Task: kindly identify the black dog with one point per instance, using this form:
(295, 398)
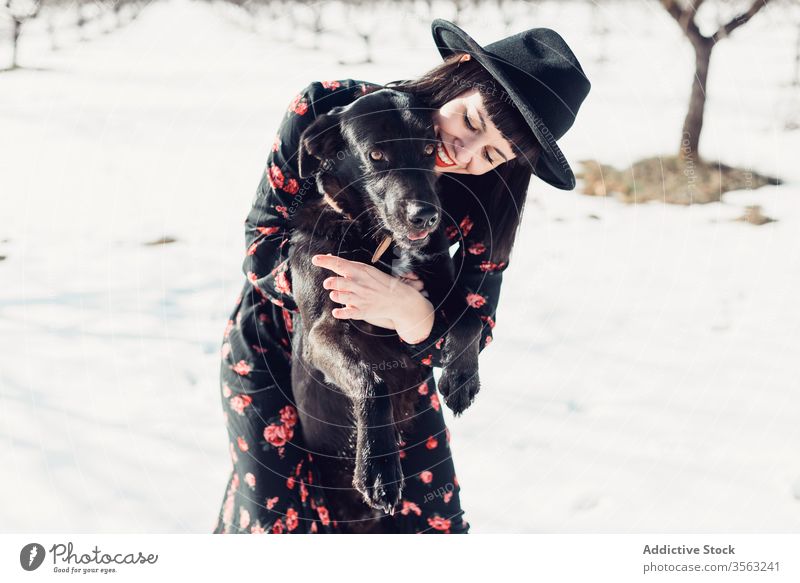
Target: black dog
(355, 389)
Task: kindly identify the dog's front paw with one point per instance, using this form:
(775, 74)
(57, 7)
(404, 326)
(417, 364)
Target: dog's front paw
(380, 481)
(459, 387)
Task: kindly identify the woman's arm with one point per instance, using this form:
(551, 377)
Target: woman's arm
(478, 281)
(280, 191)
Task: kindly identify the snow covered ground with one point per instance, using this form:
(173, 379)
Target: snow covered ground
(644, 373)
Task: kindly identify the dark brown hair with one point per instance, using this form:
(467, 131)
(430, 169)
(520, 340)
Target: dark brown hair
(446, 82)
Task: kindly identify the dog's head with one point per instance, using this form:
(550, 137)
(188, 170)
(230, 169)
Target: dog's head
(383, 144)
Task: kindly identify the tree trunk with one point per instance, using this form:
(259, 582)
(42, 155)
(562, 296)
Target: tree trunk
(693, 124)
(15, 40)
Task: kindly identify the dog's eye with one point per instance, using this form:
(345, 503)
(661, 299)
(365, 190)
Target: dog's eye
(376, 155)
(429, 149)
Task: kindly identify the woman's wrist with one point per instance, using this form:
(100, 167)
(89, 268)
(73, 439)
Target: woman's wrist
(415, 323)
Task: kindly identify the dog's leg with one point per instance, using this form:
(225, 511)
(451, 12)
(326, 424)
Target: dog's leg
(378, 475)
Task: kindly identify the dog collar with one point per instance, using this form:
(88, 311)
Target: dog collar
(382, 247)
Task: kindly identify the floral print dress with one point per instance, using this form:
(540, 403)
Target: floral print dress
(274, 483)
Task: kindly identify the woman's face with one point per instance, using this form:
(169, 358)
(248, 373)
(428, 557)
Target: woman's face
(469, 143)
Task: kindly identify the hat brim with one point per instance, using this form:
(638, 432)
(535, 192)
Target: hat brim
(552, 166)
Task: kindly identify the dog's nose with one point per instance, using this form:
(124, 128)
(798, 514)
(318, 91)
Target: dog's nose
(422, 217)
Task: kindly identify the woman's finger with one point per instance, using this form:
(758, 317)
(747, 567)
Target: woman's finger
(409, 275)
(342, 297)
(415, 283)
(348, 312)
(340, 283)
(338, 264)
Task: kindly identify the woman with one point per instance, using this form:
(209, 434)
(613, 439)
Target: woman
(497, 112)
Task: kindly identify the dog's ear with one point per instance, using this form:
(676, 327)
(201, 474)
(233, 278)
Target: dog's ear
(320, 141)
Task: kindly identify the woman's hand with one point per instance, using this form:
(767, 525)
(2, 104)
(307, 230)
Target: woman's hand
(378, 298)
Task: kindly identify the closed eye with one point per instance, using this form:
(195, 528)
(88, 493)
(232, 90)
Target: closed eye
(473, 129)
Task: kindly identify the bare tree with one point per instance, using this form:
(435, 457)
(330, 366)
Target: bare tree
(685, 15)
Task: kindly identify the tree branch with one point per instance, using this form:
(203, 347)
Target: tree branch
(737, 21)
(684, 17)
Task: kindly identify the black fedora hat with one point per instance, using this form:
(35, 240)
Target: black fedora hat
(540, 75)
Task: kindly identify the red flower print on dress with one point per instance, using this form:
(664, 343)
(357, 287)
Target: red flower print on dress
(242, 368)
(278, 435)
(277, 528)
(290, 482)
(252, 277)
(282, 283)
(251, 250)
(244, 518)
(271, 502)
(488, 341)
(303, 492)
(289, 418)
(447, 434)
(228, 328)
(423, 389)
(331, 84)
(225, 350)
(275, 176)
(432, 443)
(314, 526)
(234, 457)
(257, 528)
(291, 519)
(438, 344)
(435, 401)
(287, 320)
(250, 480)
(409, 507)
(426, 476)
(323, 515)
(490, 266)
(489, 320)
(226, 390)
(439, 523)
(427, 360)
(451, 232)
(239, 402)
(476, 248)
(276, 143)
(475, 300)
(259, 349)
(447, 496)
(242, 443)
(227, 511)
(299, 105)
(291, 186)
(283, 210)
(268, 230)
(466, 225)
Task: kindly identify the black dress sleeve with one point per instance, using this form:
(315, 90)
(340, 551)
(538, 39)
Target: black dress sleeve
(281, 190)
(478, 281)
